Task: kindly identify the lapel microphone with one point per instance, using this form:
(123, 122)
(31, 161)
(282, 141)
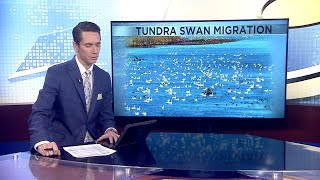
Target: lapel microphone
(79, 80)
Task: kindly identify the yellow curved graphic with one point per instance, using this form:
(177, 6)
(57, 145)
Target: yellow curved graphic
(299, 12)
(303, 89)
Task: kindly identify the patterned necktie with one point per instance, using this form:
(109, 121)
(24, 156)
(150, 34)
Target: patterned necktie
(87, 89)
(87, 94)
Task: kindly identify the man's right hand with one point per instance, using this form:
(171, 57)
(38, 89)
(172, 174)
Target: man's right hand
(48, 149)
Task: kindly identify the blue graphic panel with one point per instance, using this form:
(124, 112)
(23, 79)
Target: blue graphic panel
(304, 47)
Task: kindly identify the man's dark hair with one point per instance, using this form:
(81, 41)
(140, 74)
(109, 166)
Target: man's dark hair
(84, 26)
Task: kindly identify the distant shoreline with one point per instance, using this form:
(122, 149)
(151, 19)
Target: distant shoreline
(151, 41)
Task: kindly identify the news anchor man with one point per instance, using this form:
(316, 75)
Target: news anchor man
(75, 104)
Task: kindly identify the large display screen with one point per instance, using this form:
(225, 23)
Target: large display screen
(222, 69)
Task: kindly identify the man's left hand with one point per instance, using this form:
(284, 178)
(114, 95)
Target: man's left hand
(110, 135)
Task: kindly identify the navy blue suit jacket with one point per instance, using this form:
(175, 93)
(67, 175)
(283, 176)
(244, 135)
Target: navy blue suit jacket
(59, 114)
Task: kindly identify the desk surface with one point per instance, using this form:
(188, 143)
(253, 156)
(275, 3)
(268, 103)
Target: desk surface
(177, 155)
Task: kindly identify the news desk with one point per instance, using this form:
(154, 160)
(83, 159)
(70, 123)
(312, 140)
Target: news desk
(177, 156)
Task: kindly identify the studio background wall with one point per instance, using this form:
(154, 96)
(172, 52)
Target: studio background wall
(36, 34)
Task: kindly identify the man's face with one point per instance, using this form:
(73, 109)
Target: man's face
(89, 48)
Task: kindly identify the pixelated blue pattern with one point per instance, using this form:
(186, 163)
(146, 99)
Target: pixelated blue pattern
(304, 47)
(49, 49)
(38, 35)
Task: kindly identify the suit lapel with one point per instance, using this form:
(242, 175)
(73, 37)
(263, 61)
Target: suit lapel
(74, 73)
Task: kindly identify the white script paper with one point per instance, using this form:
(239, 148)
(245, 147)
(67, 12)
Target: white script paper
(89, 150)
